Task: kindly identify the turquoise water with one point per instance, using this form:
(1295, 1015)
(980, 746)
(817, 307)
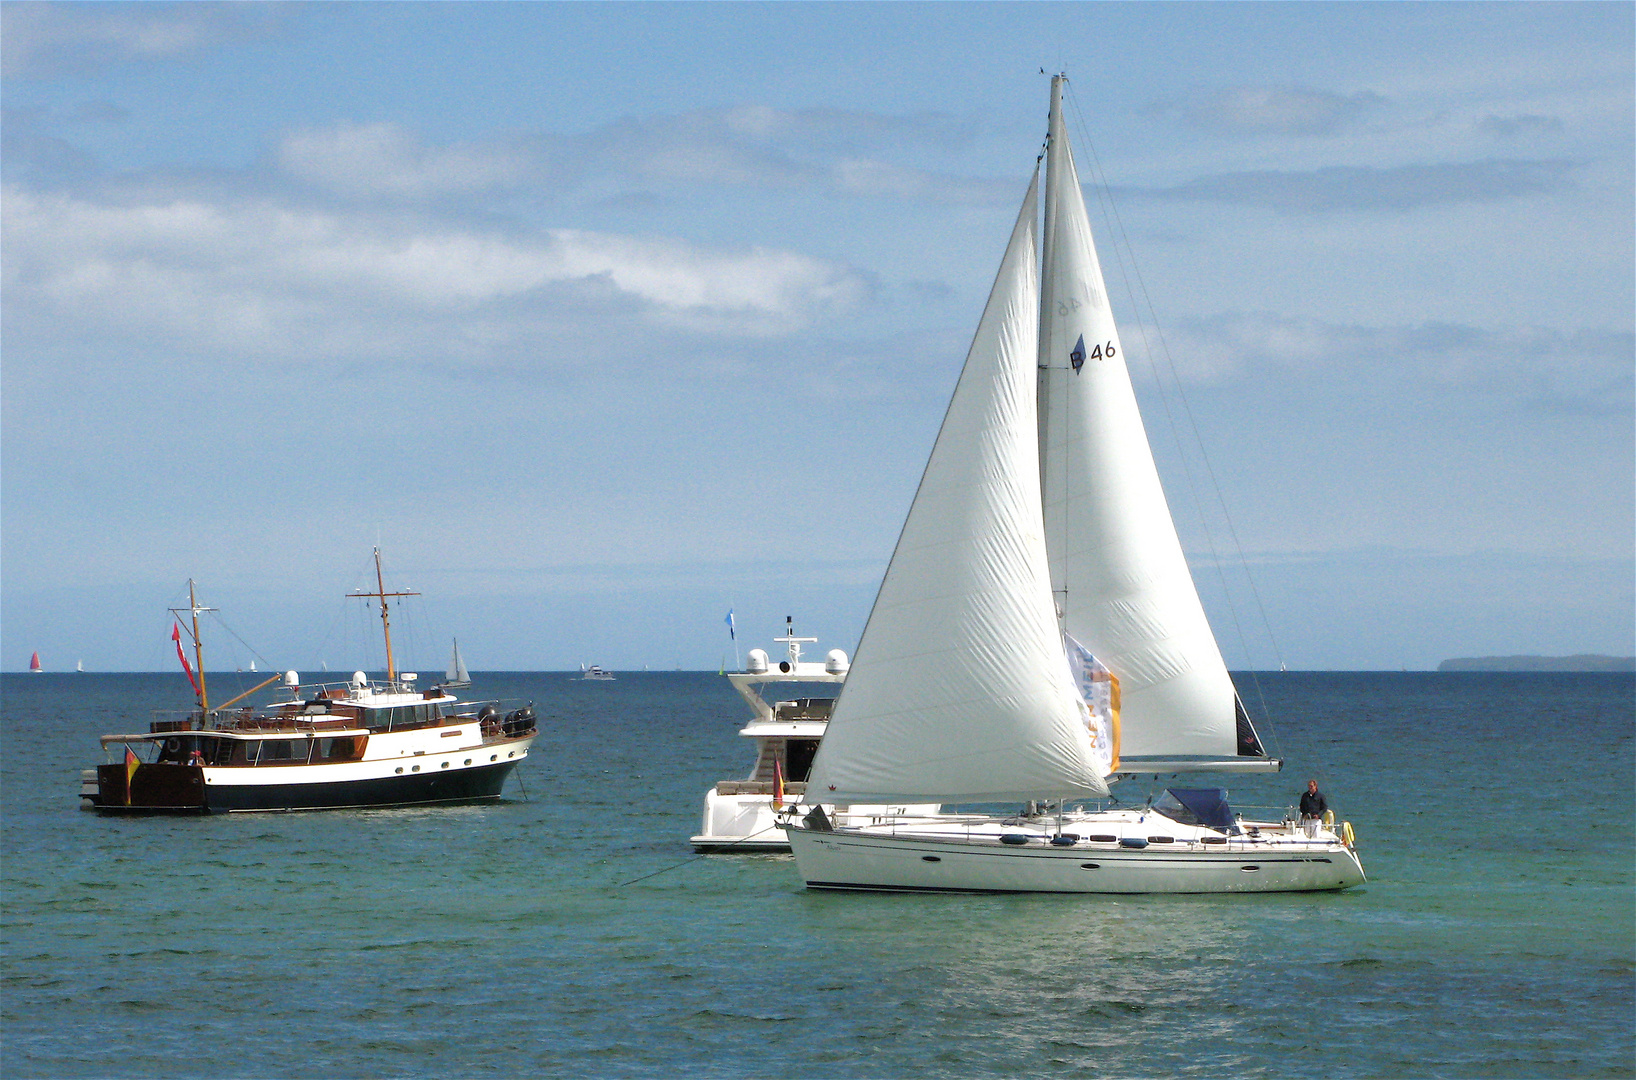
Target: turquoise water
(1496, 936)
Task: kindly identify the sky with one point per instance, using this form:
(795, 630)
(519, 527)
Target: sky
(602, 320)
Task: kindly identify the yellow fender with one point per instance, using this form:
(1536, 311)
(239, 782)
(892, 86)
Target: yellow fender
(1346, 833)
(1329, 819)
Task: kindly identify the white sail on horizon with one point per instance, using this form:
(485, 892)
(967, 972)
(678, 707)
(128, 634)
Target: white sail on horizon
(457, 675)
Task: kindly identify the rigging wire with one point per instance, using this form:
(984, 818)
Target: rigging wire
(1122, 245)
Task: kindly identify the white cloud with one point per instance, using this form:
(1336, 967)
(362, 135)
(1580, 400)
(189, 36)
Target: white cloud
(262, 277)
(40, 40)
(753, 147)
(1580, 373)
(1369, 188)
(1276, 110)
(383, 159)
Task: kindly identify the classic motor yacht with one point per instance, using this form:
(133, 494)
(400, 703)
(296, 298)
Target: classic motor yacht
(361, 743)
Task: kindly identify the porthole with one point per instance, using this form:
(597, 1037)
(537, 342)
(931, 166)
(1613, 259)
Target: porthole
(468, 761)
(398, 769)
(1090, 866)
(494, 757)
(510, 754)
(1248, 869)
(445, 765)
(931, 858)
(415, 769)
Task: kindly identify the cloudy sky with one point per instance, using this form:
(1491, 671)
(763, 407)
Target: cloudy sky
(604, 319)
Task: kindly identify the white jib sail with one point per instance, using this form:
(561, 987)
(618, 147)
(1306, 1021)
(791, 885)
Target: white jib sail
(1118, 573)
(960, 690)
(457, 667)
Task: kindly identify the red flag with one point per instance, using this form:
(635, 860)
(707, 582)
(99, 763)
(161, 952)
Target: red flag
(778, 786)
(176, 636)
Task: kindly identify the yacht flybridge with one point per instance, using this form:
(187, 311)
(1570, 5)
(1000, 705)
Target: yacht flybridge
(359, 743)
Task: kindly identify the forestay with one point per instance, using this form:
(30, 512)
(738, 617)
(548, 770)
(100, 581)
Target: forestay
(960, 691)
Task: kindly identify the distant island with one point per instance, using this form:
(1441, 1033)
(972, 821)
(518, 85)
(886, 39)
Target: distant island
(1582, 662)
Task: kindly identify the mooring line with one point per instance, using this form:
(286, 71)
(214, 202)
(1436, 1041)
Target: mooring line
(694, 858)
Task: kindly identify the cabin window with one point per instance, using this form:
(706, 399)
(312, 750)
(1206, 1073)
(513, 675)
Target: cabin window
(798, 754)
(345, 748)
(284, 751)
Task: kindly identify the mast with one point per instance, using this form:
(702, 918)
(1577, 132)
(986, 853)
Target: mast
(382, 595)
(193, 610)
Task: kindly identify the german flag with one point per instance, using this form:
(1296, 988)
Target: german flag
(131, 763)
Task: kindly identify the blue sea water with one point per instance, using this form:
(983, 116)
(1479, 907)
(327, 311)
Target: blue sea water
(1496, 936)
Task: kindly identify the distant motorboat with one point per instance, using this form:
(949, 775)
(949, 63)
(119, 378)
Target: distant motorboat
(594, 674)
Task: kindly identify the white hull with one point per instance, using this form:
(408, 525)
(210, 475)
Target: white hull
(742, 823)
(950, 857)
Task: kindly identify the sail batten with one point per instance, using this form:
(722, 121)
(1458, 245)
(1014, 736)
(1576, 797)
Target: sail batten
(960, 690)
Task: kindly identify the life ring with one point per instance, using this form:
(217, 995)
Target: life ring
(1346, 833)
(173, 744)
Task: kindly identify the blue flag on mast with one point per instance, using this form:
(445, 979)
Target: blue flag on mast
(730, 631)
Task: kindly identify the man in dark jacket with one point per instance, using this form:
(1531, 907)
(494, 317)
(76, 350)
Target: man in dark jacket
(1313, 805)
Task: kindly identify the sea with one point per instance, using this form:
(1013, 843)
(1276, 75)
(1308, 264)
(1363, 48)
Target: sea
(569, 931)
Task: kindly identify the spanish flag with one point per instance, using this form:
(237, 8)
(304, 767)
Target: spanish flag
(778, 785)
(131, 763)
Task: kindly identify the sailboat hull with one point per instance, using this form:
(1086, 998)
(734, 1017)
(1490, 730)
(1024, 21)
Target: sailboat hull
(886, 863)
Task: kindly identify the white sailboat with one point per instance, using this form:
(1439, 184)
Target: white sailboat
(457, 675)
(1071, 646)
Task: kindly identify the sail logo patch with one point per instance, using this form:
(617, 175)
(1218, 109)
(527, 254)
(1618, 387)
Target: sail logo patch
(1077, 357)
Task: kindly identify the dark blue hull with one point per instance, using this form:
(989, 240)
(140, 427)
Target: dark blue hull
(183, 794)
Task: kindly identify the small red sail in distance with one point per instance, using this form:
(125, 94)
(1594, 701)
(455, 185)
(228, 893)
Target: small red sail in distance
(34, 663)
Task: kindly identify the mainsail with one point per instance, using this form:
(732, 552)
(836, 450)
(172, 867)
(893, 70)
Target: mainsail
(457, 675)
(960, 690)
(1118, 574)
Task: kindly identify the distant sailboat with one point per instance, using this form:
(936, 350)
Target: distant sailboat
(79, 665)
(34, 663)
(457, 675)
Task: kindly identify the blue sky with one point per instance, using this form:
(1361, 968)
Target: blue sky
(602, 318)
